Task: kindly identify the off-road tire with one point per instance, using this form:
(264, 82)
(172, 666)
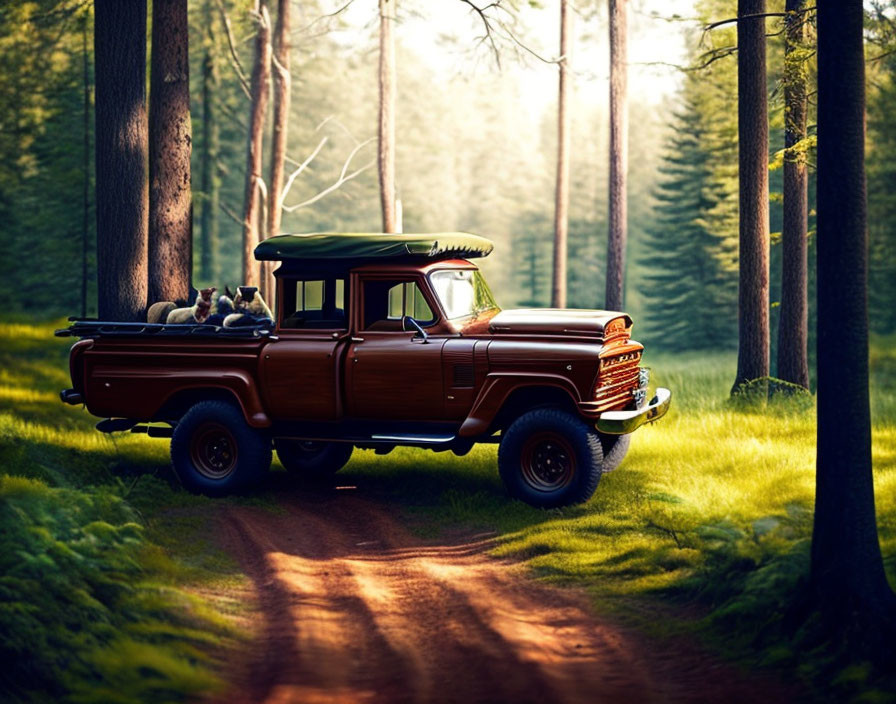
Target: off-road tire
(215, 452)
(313, 461)
(549, 457)
(615, 449)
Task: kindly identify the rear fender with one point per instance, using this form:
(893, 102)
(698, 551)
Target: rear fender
(236, 384)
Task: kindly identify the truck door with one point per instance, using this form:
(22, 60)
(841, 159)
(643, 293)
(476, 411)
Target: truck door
(390, 374)
(301, 370)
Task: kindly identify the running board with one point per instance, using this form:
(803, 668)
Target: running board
(413, 439)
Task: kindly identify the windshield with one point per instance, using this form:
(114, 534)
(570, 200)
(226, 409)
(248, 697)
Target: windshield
(463, 293)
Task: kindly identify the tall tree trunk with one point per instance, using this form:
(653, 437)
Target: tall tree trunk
(261, 73)
(793, 327)
(847, 570)
(85, 224)
(752, 111)
(210, 147)
(618, 214)
(122, 195)
(386, 148)
(282, 81)
(170, 144)
(561, 196)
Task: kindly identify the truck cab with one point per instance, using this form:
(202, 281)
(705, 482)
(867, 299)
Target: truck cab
(378, 341)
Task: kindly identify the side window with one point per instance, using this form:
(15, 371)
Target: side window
(316, 304)
(386, 302)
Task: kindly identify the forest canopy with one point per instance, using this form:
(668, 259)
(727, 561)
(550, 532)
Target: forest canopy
(474, 152)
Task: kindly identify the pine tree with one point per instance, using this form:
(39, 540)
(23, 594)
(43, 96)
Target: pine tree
(691, 250)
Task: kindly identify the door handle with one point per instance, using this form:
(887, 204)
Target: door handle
(357, 339)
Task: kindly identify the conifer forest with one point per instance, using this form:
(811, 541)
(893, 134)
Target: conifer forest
(721, 171)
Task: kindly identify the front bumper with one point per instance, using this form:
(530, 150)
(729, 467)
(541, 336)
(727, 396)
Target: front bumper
(623, 422)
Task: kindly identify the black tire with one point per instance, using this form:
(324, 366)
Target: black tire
(549, 458)
(615, 449)
(312, 460)
(215, 452)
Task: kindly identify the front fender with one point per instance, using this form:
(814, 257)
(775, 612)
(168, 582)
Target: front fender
(498, 387)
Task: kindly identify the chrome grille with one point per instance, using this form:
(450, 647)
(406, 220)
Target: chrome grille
(618, 379)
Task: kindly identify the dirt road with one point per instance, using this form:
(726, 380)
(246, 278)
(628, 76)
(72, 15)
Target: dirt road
(353, 608)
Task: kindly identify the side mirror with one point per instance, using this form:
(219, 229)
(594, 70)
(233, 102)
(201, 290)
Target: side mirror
(408, 324)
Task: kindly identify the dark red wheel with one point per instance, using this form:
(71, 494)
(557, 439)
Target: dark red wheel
(548, 461)
(550, 457)
(213, 450)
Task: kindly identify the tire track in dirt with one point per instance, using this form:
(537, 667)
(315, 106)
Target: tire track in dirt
(355, 609)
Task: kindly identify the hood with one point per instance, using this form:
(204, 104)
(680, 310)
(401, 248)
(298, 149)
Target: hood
(599, 324)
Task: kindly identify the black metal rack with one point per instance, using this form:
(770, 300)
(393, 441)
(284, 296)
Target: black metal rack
(98, 328)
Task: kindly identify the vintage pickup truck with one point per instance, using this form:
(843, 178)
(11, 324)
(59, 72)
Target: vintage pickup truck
(379, 341)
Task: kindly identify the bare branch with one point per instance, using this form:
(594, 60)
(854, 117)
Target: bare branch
(526, 48)
(884, 55)
(328, 16)
(235, 59)
(302, 166)
(232, 215)
(489, 37)
(330, 189)
(341, 126)
(343, 178)
(755, 15)
(704, 60)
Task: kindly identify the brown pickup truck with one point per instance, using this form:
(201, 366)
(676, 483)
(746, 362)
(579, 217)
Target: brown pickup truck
(378, 341)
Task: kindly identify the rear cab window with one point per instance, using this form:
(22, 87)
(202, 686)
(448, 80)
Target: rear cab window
(314, 303)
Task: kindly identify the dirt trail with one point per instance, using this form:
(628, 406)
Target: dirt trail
(355, 609)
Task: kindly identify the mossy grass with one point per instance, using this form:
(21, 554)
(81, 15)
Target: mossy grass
(703, 530)
(100, 551)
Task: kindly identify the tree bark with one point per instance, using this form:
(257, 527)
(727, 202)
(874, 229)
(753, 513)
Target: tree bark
(752, 111)
(618, 202)
(386, 149)
(121, 154)
(847, 571)
(170, 144)
(793, 327)
(210, 182)
(261, 72)
(282, 83)
(85, 224)
(561, 196)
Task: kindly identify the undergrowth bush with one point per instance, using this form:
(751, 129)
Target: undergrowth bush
(87, 607)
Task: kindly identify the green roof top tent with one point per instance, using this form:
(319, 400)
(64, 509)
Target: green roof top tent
(372, 245)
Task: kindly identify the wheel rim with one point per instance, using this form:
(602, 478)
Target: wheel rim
(548, 462)
(213, 451)
(310, 448)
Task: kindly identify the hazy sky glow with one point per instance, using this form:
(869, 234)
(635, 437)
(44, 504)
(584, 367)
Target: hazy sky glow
(444, 33)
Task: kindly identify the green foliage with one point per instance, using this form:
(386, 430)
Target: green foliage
(90, 607)
(881, 165)
(42, 153)
(83, 616)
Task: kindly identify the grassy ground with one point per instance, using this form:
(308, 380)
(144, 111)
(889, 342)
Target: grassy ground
(707, 523)
(102, 556)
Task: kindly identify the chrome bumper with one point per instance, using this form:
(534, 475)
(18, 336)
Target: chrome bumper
(623, 422)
